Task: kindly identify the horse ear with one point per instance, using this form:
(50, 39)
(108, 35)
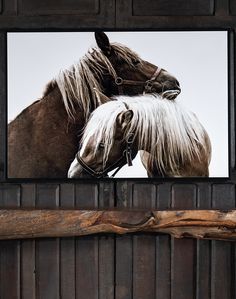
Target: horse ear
(125, 118)
(103, 42)
(102, 98)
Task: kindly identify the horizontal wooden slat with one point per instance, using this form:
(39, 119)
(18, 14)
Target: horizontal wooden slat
(52, 7)
(173, 7)
(200, 224)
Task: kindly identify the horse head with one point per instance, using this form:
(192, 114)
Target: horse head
(113, 69)
(132, 75)
(104, 146)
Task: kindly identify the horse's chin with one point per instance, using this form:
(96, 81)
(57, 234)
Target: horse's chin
(170, 94)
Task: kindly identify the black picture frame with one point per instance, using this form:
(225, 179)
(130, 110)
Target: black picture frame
(231, 114)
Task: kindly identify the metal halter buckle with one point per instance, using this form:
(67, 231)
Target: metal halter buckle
(130, 138)
(119, 81)
(148, 86)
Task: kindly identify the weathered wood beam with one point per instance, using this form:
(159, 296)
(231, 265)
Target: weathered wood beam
(200, 224)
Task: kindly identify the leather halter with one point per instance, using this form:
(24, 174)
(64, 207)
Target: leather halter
(147, 84)
(126, 157)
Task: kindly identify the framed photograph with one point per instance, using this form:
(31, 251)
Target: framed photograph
(124, 104)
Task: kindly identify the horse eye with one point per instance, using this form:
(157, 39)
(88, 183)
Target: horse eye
(101, 145)
(136, 62)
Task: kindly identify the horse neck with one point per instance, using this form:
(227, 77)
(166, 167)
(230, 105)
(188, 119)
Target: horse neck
(55, 116)
(42, 139)
(53, 101)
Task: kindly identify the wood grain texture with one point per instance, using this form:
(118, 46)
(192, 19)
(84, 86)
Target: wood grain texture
(163, 247)
(200, 224)
(47, 269)
(106, 252)
(203, 254)
(147, 14)
(221, 8)
(124, 246)
(59, 15)
(86, 247)
(173, 8)
(62, 7)
(144, 246)
(232, 7)
(10, 250)
(183, 251)
(28, 283)
(223, 260)
(67, 248)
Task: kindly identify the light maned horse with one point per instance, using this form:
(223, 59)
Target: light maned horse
(43, 138)
(174, 142)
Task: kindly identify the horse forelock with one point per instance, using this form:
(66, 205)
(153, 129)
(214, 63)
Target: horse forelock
(162, 127)
(76, 84)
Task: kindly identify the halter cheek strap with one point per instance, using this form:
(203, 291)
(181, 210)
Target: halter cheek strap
(156, 73)
(149, 83)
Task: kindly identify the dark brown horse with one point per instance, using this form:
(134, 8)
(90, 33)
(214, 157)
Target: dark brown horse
(43, 139)
(174, 142)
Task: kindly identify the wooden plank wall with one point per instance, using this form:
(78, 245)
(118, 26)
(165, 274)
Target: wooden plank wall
(139, 266)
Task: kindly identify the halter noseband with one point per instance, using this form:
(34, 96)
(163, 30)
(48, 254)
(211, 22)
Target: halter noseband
(147, 84)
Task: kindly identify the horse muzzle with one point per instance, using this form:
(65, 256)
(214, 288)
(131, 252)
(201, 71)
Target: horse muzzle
(75, 170)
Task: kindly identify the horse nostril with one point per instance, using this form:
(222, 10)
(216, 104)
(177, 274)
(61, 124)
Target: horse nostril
(177, 83)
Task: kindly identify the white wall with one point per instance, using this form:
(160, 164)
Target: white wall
(197, 59)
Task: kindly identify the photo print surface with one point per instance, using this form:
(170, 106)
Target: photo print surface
(150, 104)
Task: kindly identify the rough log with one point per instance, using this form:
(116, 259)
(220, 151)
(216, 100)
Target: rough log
(200, 224)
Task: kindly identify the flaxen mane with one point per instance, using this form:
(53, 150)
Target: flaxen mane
(163, 128)
(76, 84)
